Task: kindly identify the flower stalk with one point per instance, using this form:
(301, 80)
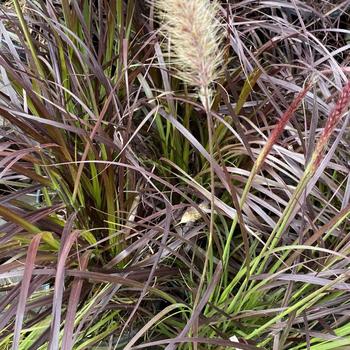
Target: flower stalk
(193, 31)
(333, 120)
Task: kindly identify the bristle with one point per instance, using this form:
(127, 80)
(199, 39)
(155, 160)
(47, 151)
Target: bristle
(195, 36)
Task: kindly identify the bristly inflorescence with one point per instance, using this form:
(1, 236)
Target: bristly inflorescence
(334, 118)
(194, 34)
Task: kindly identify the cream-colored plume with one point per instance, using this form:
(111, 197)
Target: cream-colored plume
(194, 31)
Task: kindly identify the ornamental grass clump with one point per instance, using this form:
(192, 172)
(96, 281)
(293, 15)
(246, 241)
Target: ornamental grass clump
(107, 157)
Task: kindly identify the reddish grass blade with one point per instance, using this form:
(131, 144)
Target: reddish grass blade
(58, 293)
(28, 270)
(67, 342)
(107, 277)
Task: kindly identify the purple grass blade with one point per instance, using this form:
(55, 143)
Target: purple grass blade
(67, 342)
(58, 292)
(28, 270)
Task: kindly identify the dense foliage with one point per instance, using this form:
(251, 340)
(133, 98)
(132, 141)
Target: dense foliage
(127, 225)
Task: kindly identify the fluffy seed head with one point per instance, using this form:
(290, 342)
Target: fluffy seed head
(193, 29)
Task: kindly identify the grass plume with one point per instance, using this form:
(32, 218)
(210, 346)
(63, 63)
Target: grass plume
(333, 120)
(195, 35)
